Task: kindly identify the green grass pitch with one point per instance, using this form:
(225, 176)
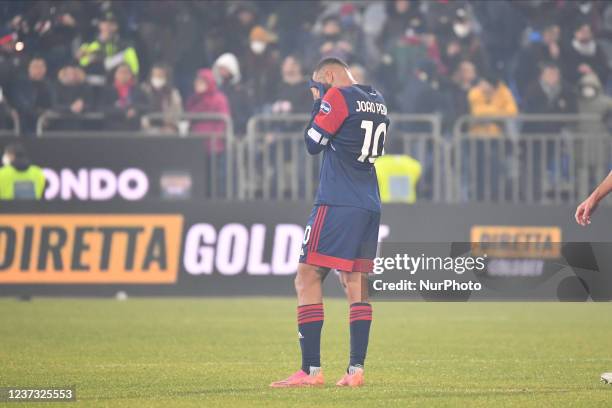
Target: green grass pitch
(225, 352)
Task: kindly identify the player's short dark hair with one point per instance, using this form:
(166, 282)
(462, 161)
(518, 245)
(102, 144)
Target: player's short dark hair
(330, 61)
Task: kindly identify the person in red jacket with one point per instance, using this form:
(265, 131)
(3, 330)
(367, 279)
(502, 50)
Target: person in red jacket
(207, 98)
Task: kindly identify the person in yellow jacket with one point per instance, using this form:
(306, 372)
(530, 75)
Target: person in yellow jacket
(19, 178)
(490, 97)
(398, 176)
(107, 51)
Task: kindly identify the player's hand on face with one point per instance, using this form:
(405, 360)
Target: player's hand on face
(584, 211)
(313, 89)
(315, 93)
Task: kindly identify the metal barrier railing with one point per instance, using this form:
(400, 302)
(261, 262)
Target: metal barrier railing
(548, 159)
(16, 130)
(48, 117)
(219, 145)
(45, 120)
(545, 159)
(279, 167)
(241, 153)
(420, 136)
(222, 145)
(273, 143)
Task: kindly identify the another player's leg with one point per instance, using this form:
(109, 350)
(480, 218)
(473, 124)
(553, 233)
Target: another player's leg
(606, 378)
(310, 323)
(360, 319)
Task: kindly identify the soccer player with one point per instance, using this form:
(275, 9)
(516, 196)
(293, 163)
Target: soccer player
(583, 217)
(586, 208)
(349, 124)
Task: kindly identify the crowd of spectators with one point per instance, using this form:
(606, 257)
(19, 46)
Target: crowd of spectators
(123, 59)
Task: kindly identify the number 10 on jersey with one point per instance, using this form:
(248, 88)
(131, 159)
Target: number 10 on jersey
(370, 147)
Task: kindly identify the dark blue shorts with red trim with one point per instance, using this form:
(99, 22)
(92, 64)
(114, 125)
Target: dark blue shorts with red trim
(340, 237)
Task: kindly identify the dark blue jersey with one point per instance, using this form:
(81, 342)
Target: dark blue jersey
(350, 128)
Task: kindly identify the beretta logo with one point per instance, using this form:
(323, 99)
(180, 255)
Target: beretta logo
(90, 248)
(505, 241)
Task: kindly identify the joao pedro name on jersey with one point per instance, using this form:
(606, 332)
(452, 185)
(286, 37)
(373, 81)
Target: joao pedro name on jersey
(351, 124)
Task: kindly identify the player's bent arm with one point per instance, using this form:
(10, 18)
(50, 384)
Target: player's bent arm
(328, 115)
(328, 118)
(603, 189)
(588, 206)
(314, 137)
(315, 140)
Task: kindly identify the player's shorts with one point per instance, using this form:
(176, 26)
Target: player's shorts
(342, 238)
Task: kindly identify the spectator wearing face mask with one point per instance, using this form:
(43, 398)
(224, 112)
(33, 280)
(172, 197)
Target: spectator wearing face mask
(458, 41)
(261, 65)
(207, 98)
(584, 56)
(32, 96)
(293, 95)
(242, 19)
(226, 71)
(593, 101)
(162, 97)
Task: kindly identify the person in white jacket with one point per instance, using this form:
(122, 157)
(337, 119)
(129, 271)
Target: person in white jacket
(228, 77)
